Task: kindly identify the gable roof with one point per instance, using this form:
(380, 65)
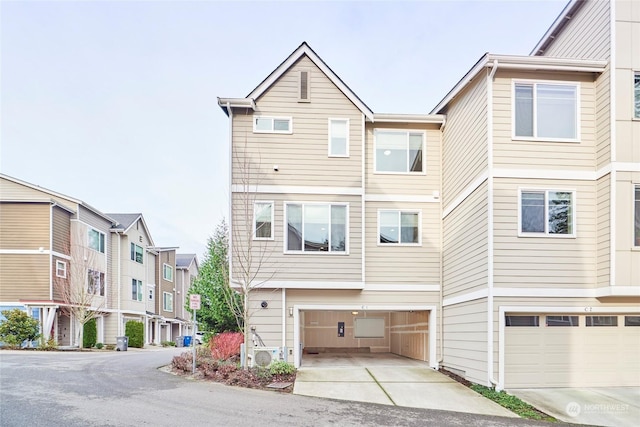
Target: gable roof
(184, 261)
(558, 25)
(303, 50)
(124, 222)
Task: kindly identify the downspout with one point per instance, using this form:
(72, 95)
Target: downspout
(490, 245)
(441, 314)
(119, 288)
(51, 254)
(230, 236)
(284, 320)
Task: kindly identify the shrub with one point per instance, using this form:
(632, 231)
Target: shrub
(110, 346)
(18, 327)
(90, 334)
(135, 331)
(184, 362)
(47, 345)
(281, 367)
(225, 345)
(168, 344)
(99, 345)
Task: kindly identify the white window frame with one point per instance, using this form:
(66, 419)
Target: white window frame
(139, 293)
(101, 238)
(400, 212)
(329, 252)
(164, 301)
(255, 229)
(534, 83)
(635, 243)
(407, 132)
(166, 267)
(308, 98)
(634, 113)
(101, 285)
(272, 130)
(574, 210)
(61, 269)
(330, 136)
(135, 247)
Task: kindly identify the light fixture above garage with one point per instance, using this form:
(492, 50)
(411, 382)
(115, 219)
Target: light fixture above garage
(354, 313)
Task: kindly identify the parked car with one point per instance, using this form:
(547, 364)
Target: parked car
(199, 338)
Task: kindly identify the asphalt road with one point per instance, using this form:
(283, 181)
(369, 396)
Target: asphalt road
(127, 389)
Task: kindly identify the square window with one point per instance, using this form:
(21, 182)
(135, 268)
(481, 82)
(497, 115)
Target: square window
(263, 221)
(316, 227)
(398, 227)
(546, 111)
(339, 137)
(547, 212)
(399, 151)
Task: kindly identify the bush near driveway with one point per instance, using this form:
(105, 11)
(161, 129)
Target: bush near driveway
(225, 345)
(135, 331)
(17, 327)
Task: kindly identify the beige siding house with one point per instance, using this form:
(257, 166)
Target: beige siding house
(497, 237)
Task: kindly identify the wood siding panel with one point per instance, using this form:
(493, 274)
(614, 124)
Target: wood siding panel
(409, 334)
(403, 264)
(25, 226)
(465, 245)
(627, 255)
(513, 153)
(603, 212)
(61, 231)
(302, 156)
(464, 140)
(544, 261)
(24, 277)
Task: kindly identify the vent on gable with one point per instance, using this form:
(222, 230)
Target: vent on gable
(304, 95)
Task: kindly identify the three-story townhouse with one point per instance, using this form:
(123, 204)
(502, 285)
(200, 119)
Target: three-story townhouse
(187, 269)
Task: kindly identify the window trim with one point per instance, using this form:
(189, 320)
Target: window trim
(308, 98)
(139, 291)
(164, 272)
(574, 211)
(102, 285)
(535, 138)
(255, 229)
(273, 118)
(400, 212)
(634, 75)
(323, 253)
(101, 248)
(134, 253)
(407, 132)
(60, 263)
(635, 242)
(330, 135)
(164, 301)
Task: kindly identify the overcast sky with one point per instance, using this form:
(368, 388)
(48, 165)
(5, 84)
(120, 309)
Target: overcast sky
(114, 102)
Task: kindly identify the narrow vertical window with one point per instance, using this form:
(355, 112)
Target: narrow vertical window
(61, 269)
(636, 216)
(263, 221)
(339, 137)
(167, 272)
(636, 94)
(304, 87)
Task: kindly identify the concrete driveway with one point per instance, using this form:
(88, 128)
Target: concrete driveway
(606, 406)
(390, 380)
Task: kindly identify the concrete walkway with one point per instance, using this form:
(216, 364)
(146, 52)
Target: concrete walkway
(389, 380)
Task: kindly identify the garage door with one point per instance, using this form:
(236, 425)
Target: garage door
(550, 350)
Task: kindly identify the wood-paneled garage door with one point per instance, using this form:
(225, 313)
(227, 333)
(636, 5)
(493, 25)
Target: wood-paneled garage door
(550, 350)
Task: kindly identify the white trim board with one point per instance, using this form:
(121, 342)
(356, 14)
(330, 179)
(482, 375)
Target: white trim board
(623, 291)
(296, 189)
(409, 198)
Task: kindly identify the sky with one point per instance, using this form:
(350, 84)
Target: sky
(115, 102)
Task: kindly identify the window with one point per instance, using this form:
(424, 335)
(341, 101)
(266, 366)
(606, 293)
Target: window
(522, 321)
(631, 320)
(316, 227)
(167, 301)
(398, 227)
(263, 221)
(602, 320)
(95, 282)
(636, 216)
(546, 111)
(636, 95)
(399, 151)
(167, 272)
(339, 137)
(305, 86)
(562, 320)
(61, 269)
(96, 240)
(136, 290)
(136, 253)
(548, 213)
(263, 124)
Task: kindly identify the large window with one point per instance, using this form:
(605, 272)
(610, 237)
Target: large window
(339, 137)
(136, 253)
(167, 272)
(167, 301)
(548, 213)
(95, 282)
(262, 124)
(263, 221)
(315, 227)
(136, 290)
(399, 151)
(398, 227)
(636, 216)
(546, 111)
(636, 95)
(96, 240)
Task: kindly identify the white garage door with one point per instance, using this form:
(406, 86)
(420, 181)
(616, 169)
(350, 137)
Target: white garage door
(572, 350)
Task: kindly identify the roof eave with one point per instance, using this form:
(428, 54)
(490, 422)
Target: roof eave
(558, 25)
(226, 103)
(408, 118)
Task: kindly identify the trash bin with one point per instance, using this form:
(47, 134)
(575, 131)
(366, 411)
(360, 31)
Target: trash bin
(179, 341)
(187, 340)
(122, 343)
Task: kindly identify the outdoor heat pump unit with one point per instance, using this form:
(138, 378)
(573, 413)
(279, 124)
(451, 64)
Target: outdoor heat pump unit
(265, 356)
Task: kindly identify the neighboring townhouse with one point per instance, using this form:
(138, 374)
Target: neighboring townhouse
(187, 269)
(50, 243)
(168, 294)
(497, 236)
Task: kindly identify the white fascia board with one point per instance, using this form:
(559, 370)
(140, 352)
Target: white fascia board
(403, 287)
(408, 198)
(557, 26)
(609, 291)
(226, 103)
